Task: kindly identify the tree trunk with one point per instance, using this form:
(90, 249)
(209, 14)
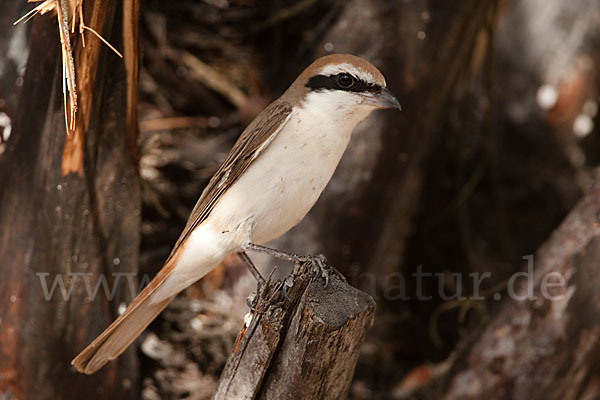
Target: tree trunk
(75, 228)
(304, 347)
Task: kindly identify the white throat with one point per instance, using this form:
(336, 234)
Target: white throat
(338, 111)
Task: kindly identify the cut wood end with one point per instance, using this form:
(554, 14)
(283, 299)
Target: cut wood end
(348, 302)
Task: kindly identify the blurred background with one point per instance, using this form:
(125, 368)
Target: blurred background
(496, 144)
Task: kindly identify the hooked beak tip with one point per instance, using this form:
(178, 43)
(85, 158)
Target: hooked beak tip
(385, 100)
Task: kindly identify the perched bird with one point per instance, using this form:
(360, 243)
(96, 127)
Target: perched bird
(272, 177)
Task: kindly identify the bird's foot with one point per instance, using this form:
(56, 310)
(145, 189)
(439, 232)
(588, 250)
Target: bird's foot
(318, 265)
(250, 300)
(286, 285)
(252, 268)
(260, 281)
(318, 262)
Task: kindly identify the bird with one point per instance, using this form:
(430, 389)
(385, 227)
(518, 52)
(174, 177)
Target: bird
(271, 178)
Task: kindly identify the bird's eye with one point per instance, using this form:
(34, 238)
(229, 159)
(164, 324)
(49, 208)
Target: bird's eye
(345, 80)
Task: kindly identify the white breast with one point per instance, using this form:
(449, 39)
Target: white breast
(285, 181)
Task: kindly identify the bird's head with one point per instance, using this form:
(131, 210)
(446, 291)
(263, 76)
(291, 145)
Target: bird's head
(343, 86)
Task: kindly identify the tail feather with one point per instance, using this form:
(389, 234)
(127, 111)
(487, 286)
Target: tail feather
(182, 268)
(125, 329)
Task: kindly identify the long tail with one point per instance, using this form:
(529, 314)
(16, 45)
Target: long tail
(125, 329)
(185, 265)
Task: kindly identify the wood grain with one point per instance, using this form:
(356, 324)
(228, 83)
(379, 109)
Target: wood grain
(302, 348)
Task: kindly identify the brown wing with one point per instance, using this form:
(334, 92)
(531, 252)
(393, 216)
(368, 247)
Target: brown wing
(252, 141)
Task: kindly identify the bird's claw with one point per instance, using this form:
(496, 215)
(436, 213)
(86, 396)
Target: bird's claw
(287, 283)
(250, 301)
(319, 265)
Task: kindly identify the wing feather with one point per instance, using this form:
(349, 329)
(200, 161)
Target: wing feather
(255, 138)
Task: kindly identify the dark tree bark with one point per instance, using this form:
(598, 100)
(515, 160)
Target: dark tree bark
(304, 347)
(544, 343)
(76, 226)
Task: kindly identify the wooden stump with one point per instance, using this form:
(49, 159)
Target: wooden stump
(303, 347)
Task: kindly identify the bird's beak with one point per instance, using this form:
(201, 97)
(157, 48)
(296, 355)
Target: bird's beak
(383, 99)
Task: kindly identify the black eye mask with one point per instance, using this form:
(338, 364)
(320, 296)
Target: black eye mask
(342, 81)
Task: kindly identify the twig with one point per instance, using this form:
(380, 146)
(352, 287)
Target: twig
(285, 14)
(214, 80)
(464, 305)
(43, 8)
(102, 39)
(27, 16)
(68, 64)
(168, 123)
